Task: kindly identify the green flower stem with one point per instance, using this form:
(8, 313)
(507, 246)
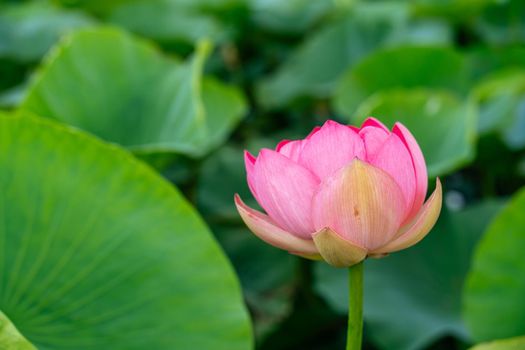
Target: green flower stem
(355, 307)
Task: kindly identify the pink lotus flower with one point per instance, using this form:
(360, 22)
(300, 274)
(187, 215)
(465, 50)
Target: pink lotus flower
(342, 194)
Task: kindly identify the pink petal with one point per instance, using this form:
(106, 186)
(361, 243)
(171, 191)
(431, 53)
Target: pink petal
(360, 202)
(285, 190)
(371, 121)
(373, 139)
(281, 145)
(264, 228)
(419, 227)
(249, 163)
(336, 250)
(393, 157)
(290, 149)
(418, 162)
(331, 148)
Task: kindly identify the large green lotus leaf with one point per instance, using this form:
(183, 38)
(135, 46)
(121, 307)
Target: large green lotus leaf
(501, 100)
(517, 343)
(443, 125)
(493, 295)
(173, 21)
(124, 91)
(314, 68)
(28, 30)
(400, 67)
(99, 252)
(413, 297)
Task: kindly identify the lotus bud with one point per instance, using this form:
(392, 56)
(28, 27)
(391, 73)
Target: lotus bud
(342, 194)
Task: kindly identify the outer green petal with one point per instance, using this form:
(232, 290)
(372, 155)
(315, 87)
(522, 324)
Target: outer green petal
(336, 250)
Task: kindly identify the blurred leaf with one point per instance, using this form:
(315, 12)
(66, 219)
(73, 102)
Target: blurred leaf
(456, 10)
(501, 99)
(222, 175)
(167, 21)
(10, 338)
(517, 343)
(413, 297)
(292, 16)
(225, 105)
(14, 96)
(99, 252)
(123, 90)
(314, 68)
(97, 7)
(267, 276)
(104, 8)
(266, 273)
(503, 22)
(209, 5)
(401, 67)
(493, 295)
(443, 126)
(485, 60)
(311, 325)
(520, 167)
(28, 30)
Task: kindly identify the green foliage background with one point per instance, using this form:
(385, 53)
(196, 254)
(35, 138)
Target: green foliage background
(121, 140)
